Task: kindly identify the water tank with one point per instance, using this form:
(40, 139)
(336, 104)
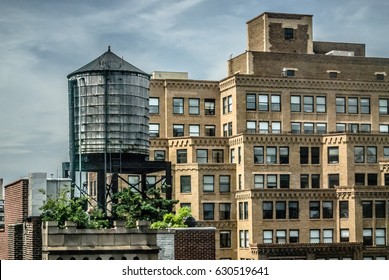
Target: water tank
(108, 109)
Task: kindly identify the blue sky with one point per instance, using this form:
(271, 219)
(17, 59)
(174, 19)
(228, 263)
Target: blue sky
(41, 41)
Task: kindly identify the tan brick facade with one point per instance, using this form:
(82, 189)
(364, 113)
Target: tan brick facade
(295, 129)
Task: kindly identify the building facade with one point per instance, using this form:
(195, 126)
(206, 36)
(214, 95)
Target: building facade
(287, 157)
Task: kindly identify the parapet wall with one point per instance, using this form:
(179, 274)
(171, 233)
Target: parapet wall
(118, 243)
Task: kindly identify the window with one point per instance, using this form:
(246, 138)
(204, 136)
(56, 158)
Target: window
(154, 129)
(251, 126)
(280, 236)
(367, 236)
(293, 207)
(304, 181)
(194, 106)
(365, 105)
(232, 156)
(185, 184)
(229, 103)
(315, 155)
(353, 127)
(178, 105)
(178, 130)
(217, 156)
(208, 183)
(384, 128)
(295, 103)
(308, 128)
(229, 126)
(380, 209)
(333, 154)
(333, 180)
(280, 210)
(308, 104)
(224, 211)
(365, 128)
(276, 127)
(209, 106)
(263, 127)
(288, 33)
(267, 236)
(359, 154)
(271, 181)
(225, 105)
(209, 211)
(284, 155)
(340, 127)
(267, 210)
(371, 154)
(182, 205)
(181, 156)
(343, 209)
(275, 103)
(380, 76)
(296, 128)
(271, 155)
(321, 128)
(341, 105)
(315, 181)
(380, 237)
(243, 210)
(344, 235)
(367, 209)
(194, 130)
(333, 74)
(259, 182)
(372, 179)
(360, 179)
(321, 106)
(328, 235)
(225, 239)
(154, 105)
(284, 181)
(209, 130)
(293, 236)
(244, 238)
(327, 209)
(224, 183)
(201, 156)
(353, 105)
(258, 155)
(384, 106)
(251, 102)
(304, 155)
(159, 155)
(314, 209)
(263, 102)
(314, 236)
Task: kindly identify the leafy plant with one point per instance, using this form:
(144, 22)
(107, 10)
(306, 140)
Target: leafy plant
(63, 208)
(130, 206)
(171, 220)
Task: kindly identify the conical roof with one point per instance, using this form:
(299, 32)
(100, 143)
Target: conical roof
(108, 61)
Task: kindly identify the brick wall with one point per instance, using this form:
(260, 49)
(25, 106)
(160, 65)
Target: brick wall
(15, 211)
(195, 244)
(33, 239)
(15, 242)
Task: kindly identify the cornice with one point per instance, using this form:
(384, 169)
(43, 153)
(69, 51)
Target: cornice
(294, 83)
(192, 84)
(286, 194)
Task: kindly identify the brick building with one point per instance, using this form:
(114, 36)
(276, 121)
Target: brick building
(287, 157)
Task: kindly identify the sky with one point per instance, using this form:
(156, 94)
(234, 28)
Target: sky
(42, 41)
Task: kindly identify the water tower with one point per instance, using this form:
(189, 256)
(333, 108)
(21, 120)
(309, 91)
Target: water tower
(109, 123)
